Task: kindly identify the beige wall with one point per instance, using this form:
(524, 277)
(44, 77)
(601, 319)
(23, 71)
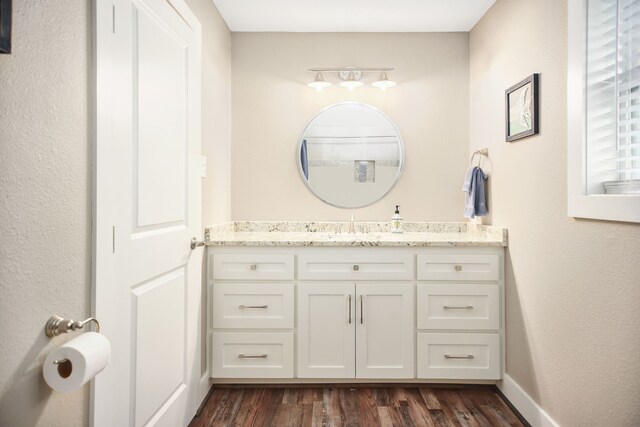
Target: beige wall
(216, 112)
(45, 179)
(572, 285)
(216, 131)
(271, 107)
(45, 186)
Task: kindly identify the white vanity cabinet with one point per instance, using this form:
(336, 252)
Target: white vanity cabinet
(251, 315)
(361, 330)
(459, 315)
(309, 314)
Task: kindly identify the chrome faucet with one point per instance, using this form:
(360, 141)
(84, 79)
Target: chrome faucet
(352, 225)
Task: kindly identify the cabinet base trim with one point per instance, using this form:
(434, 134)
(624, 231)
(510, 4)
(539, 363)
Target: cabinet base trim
(347, 381)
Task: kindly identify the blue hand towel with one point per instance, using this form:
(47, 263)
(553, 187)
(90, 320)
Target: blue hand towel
(480, 203)
(475, 203)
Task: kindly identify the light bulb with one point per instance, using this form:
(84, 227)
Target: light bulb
(351, 82)
(319, 83)
(384, 82)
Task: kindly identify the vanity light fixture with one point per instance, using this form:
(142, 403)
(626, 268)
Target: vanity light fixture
(351, 77)
(384, 82)
(319, 83)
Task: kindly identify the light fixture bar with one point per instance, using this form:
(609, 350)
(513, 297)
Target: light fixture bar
(338, 70)
(351, 77)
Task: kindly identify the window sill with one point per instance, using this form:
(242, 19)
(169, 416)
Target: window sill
(608, 207)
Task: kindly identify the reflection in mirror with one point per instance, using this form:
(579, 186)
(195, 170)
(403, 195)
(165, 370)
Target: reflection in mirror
(350, 155)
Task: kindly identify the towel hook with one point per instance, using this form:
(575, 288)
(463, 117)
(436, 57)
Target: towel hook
(482, 154)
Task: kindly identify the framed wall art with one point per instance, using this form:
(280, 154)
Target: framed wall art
(521, 108)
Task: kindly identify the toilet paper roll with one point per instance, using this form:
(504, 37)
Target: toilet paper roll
(78, 361)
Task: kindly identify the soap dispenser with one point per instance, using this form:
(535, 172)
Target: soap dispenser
(396, 221)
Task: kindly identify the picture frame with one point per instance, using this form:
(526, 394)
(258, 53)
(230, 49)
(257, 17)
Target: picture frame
(5, 26)
(522, 109)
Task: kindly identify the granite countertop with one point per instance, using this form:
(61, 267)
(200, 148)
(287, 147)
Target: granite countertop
(299, 233)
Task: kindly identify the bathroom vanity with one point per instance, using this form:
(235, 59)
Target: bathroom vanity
(304, 302)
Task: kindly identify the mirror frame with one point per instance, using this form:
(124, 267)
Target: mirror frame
(400, 144)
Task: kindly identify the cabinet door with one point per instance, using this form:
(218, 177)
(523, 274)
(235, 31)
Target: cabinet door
(326, 334)
(384, 331)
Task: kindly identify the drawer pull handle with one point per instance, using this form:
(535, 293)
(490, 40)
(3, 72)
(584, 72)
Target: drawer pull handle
(361, 309)
(252, 356)
(458, 268)
(253, 306)
(468, 356)
(253, 267)
(457, 307)
(356, 267)
(349, 309)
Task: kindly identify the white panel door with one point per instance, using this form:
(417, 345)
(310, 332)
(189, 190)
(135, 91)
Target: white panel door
(147, 207)
(384, 331)
(326, 335)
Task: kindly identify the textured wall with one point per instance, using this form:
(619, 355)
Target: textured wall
(271, 107)
(45, 182)
(572, 285)
(45, 189)
(216, 112)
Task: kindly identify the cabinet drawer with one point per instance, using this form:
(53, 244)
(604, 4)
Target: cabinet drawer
(355, 267)
(252, 355)
(252, 267)
(459, 356)
(458, 267)
(253, 306)
(453, 306)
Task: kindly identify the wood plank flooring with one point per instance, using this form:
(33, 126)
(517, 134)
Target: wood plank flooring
(431, 406)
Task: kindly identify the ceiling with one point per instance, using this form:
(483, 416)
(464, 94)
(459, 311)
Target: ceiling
(352, 15)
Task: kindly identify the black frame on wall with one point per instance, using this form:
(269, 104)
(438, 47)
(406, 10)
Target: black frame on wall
(5, 26)
(533, 108)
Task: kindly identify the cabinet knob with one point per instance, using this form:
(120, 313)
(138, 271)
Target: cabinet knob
(253, 267)
(458, 268)
(356, 267)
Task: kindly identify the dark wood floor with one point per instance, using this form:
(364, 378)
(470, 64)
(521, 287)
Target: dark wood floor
(459, 406)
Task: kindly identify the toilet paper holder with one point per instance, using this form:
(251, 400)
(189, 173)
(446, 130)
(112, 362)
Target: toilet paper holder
(57, 325)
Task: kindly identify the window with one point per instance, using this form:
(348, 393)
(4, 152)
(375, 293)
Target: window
(604, 109)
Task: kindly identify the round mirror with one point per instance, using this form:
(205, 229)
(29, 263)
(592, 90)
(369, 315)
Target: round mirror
(350, 155)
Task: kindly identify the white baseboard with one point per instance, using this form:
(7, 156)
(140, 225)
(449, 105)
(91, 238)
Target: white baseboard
(204, 386)
(528, 408)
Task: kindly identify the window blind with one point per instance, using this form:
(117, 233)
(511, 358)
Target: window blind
(612, 93)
